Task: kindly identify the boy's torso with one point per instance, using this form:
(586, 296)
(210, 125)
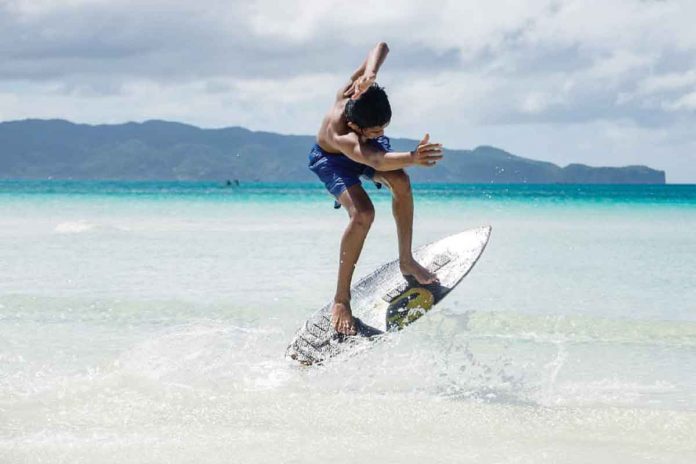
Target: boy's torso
(332, 125)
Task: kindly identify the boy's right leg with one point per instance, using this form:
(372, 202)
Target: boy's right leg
(361, 211)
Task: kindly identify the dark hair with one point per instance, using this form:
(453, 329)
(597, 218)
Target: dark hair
(370, 109)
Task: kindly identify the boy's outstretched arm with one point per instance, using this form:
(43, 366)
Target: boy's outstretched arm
(365, 75)
(426, 154)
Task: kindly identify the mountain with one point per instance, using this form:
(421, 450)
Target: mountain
(160, 150)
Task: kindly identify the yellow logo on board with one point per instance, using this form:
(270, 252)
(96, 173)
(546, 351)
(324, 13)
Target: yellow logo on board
(408, 307)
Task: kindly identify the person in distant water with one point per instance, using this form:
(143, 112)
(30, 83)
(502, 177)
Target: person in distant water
(351, 144)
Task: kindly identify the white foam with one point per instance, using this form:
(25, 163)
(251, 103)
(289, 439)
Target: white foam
(74, 227)
(610, 391)
(208, 353)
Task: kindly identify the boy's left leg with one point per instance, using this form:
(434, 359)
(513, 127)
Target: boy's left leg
(402, 208)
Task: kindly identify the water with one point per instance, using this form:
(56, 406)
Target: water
(146, 322)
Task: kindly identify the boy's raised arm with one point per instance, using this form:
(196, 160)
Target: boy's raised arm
(366, 74)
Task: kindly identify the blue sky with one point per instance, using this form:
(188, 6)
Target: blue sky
(609, 82)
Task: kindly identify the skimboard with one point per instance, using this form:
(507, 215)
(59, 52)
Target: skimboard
(385, 301)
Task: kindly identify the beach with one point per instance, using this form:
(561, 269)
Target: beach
(147, 322)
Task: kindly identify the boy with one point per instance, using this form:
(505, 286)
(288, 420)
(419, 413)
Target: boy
(351, 144)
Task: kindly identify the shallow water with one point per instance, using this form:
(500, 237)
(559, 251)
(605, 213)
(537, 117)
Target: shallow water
(146, 322)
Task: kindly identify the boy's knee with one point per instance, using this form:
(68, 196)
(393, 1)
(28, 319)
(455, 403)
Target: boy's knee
(400, 182)
(363, 217)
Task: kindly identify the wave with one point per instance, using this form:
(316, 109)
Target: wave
(77, 227)
(500, 357)
(503, 325)
(574, 329)
(73, 227)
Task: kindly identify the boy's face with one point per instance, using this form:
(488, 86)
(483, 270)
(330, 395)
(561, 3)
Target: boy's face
(371, 132)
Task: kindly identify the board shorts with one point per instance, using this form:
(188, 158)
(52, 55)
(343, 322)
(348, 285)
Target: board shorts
(338, 172)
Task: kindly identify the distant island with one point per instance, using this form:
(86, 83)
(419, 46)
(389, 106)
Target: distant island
(161, 150)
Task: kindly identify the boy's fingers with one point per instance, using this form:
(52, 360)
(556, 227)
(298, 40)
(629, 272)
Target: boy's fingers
(429, 148)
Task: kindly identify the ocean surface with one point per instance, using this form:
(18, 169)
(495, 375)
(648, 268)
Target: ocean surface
(147, 322)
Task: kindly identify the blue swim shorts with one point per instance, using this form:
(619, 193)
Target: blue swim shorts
(338, 172)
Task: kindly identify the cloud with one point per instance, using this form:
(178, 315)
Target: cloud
(667, 82)
(685, 102)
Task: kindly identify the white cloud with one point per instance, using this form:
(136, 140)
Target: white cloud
(685, 102)
(27, 8)
(536, 102)
(667, 82)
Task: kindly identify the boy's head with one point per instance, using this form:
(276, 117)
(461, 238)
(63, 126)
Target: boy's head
(370, 113)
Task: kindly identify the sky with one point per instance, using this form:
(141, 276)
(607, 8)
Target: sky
(599, 82)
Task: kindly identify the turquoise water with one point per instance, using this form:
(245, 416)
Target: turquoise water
(146, 322)
(610, 194)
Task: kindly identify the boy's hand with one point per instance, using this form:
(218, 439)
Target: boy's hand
(427, 154)
(360, 85)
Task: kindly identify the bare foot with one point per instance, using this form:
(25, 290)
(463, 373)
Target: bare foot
(342, 318)
(421, 274)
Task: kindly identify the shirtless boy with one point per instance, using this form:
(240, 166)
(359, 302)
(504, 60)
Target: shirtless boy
(351, 144)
